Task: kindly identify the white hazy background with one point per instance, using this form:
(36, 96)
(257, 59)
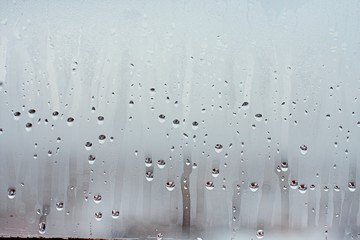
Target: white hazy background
(294, 62)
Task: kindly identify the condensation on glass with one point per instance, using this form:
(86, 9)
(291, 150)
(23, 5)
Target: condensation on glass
(180, 119)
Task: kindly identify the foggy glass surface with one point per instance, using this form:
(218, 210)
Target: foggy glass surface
(180, 119)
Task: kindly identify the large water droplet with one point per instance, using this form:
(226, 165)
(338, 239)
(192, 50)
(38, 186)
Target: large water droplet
(215, 172)
(28, 127)
(253, 186)
(11, 193)
(161, 163)
(293, 184)
(209, 185)
(303, 149)
(352, 186)
(102, 138)
(55, 115)
(59, 206)
(170, 186)
(98, 216)
(176, 123)
(100, 120)
(31, 113)
(42, 227)
(258, 117)
(161, 118)
(284, 166)
(91, 159)
(148, 162)
(302, 188)
(17, 115)
(115, 214)
(149, 175)
(195, 125)
(260, 234)
(97, 198)
(88, 146)
(218, 148)
(70, 121)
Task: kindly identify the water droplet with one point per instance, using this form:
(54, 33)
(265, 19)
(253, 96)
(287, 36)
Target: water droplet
(97, 198)
(88, 146)
(284, 166)
(303, 149)
(170, 186)
(149, 175)
(91, 159)
(209, 185)
(253, 186)
(336, 188)
(98, 216)
(70, 121)
(302, 188)
(42, 227)
(176, 123)
(161, 163)
(11, 193)
(28, 127)
(100, 120)
(31, 113)
(102, 138)
(159, 236)
(218, 148)
(258, 117)
(260, 234)
(312, 187)
(148, 162)
(352, 186)
(215, 172)
(55, 115)
(293, 184)
(161, 118)
(59, 206)
(17, 115)
(195, 125)
(115, 214)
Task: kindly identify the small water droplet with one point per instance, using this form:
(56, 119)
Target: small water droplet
(303, 149)
(253, 186)
(209, 185)
(11, 193)
(115, 214)
(98, 216)
(59, 206)
(170, 186)
(218, 148)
